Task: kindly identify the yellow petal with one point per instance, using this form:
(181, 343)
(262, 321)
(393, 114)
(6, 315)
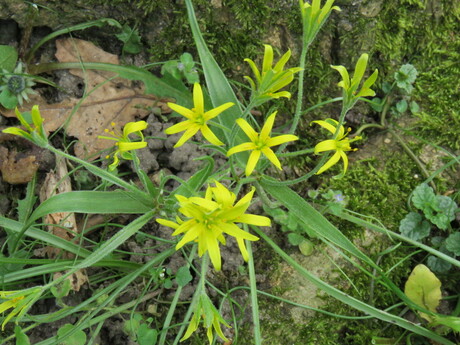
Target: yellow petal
(214, 253)
(254, 219)
(132, 127)
(210, 136)
(246, 127)
(124, 146)
(345, 76)
(241, 148)
(216, 111)
(327, 125)
(198, 100)
(267, 128)
(179, 127)
(243, 250)
(333, 160)
(168, 223)
(281, 139)
(252, 161)
(268, 59)
(326, 145)
(190, 132)
(189, 114)
(272, 157)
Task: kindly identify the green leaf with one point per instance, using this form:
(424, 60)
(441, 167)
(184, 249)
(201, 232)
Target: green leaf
(306, 247)
(414, 226)
(146, 335)
(131, 39)
(443, 212)
(424, 198)
(406, 75)
(295, 239)
(452, 322)
(183, 276)
(21, 337)
(424, 289)
(401, 106)
(77, 338)
(8, 58)
(438, 265)
(8, 99)
(453, 243)
(414, 107)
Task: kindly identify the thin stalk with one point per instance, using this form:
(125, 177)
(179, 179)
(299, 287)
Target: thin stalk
(174, 302)
(254, 301)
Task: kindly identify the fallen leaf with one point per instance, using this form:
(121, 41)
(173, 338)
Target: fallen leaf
(107, 99)
(77, 279)
(61, 224)
(424, 289)
(16, 169)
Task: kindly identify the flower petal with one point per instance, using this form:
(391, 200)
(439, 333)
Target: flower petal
(254, 219)
(210, 136)
(281, 139)
(214, 252)
(179, 127)
(246, 127)
(190, 132)
(168, 223)
(272, 157)
(210, 114)
(268, 59)
(252, 161)
(241, 148)
(189, 114)
(132, 127)
(198, 101)
(326, 145)
(333, 160)
(267, 128)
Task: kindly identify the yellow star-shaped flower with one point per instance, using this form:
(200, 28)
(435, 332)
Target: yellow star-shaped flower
(260, 143)
(197, 118)
(340, 145)
(123, 143)
(211, 217)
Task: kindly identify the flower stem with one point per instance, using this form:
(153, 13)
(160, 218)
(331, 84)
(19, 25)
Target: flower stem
(254, 301)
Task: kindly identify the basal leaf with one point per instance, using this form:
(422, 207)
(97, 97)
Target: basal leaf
(453, 243)
(414, 226)
(8, 58)
(424, 198)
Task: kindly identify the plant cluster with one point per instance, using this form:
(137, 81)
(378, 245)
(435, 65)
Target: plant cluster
(210, 208)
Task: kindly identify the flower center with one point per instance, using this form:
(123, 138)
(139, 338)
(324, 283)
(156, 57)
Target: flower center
(16, 84)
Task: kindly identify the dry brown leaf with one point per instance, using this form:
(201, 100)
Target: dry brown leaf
(107, 100)
(77, 279)
(61, 224)
(17, 170)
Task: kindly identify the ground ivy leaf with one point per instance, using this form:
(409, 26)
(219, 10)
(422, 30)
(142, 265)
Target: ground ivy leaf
(21, 337)
(183, 276)
(453, 243)
(146, 335)
(414, 226)
(424, 198)
(438, 265)
(77, 338)
(424, 289)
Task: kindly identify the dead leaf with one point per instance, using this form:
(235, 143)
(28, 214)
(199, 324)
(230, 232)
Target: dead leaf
(15, 169)
(77, 279)
(107, 100)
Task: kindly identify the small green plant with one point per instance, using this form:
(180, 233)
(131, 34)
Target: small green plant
(140, 331)
(183, 69)
(398, 94)
(438, 212)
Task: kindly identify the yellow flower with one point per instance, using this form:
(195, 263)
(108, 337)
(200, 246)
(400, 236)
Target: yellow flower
(340, 145)
(271, 79)
(313, 17)
(350, 87)
(260, 143)
(19, 301)
(197, 118)
(35, 133)
(211, 217)
(123, 142)
(211, 319)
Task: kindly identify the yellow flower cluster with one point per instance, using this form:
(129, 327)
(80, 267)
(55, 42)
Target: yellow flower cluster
(209, 218)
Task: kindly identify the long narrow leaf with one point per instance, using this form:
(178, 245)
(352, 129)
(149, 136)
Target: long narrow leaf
(91, 202)
(351, 301)
(313, 220)
(218, 85)
(46, 237)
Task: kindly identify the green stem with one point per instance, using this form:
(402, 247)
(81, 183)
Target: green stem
(254, 301)
(298, 107)
(412, 155)
(174, 302)
(366, 126)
